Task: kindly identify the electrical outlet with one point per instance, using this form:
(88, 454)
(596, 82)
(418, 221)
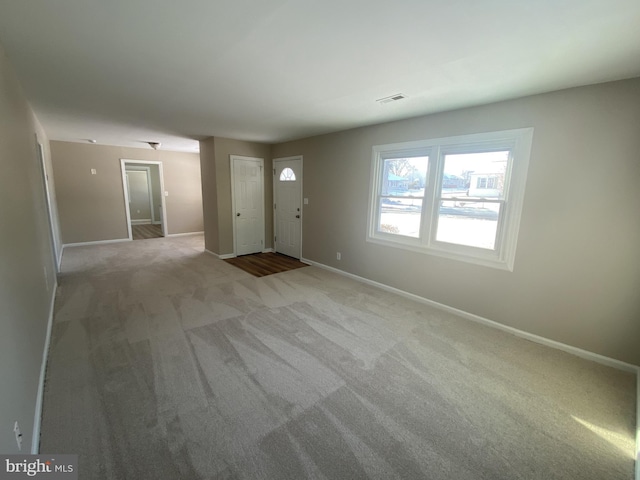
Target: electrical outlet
(16, 430)
(338, 256)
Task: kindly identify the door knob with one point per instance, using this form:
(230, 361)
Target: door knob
(237, 214)
(297, 216)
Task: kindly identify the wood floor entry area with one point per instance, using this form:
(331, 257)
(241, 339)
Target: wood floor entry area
(143, 232)
(262, 264)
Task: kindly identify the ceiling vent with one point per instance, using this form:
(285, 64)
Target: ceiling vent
(392, 98)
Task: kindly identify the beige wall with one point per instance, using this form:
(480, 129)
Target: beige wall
(26, 266)
(91, 207)
(156, 192)
(576, 277)
(215, 161)
(209, 195)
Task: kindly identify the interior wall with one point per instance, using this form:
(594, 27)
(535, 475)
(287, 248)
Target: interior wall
(27, 274)
(50, 179)
(576, 277)
(92, 208)
(156, 193)
(209, 195)
(216, 165)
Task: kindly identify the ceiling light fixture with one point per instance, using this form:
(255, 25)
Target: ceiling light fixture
(91, 140)
(154, 145)
(391, 98)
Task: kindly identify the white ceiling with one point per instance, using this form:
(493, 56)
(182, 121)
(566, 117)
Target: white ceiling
(125, 72)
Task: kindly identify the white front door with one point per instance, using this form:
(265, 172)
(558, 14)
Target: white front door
(287, 194)
(248, 204)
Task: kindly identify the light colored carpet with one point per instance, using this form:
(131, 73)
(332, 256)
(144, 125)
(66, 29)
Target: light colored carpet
(167, 363)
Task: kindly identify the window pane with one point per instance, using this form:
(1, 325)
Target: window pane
(472, 176)
(400, 216)
(473, 224)
(479, 175)
(287, 175)
(404, 176)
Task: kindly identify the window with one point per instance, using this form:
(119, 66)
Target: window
(287, 175)
(457, 197)
(401, 197)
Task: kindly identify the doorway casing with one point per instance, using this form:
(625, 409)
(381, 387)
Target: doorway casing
(47, 196)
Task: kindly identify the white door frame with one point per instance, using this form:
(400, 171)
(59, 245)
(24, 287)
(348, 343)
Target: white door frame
(47, 198)
(275, 180)
(260, 161)
(123, 168)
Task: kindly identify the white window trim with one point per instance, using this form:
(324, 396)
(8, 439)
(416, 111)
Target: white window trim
(519, 141)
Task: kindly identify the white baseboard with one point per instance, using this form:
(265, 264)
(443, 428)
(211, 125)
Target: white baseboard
(268, 250)
(37, 419)
(183, 234)
(96, 242)
(611, 362)
(224, 256)
(141, 221)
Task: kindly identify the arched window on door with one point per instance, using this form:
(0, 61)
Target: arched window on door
(287, 175)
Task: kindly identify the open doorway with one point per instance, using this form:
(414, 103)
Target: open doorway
(143, 186)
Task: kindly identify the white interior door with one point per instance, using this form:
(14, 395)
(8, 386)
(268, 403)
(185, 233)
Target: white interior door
(248, 204)
(287, 194)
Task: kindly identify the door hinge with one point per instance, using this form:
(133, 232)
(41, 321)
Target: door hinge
(275, 239)
(274, 172)
(274, 206)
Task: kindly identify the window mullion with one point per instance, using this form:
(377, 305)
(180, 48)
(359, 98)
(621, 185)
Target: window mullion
(431, 194)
